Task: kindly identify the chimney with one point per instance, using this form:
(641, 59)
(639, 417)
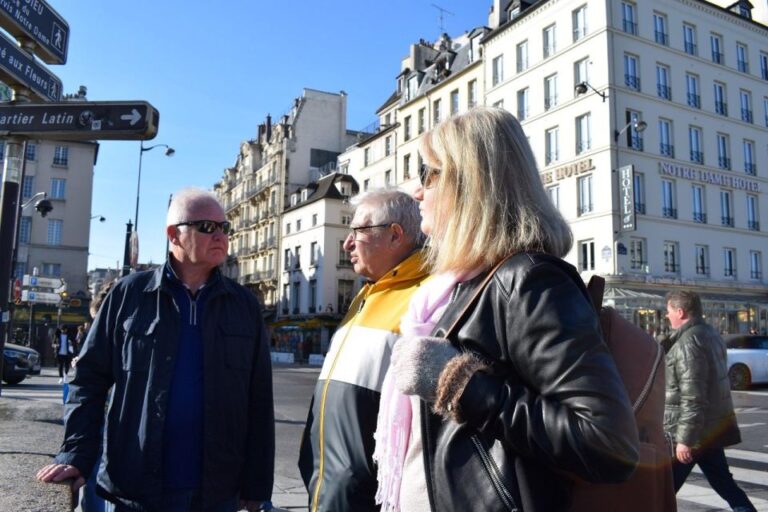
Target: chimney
(269, 127)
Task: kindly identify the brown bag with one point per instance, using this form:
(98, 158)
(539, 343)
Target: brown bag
(640, 361)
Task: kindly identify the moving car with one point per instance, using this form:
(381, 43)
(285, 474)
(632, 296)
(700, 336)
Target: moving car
(19, 362)
(747, 359)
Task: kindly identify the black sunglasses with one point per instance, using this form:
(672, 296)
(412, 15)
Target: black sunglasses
(208, 226)
(428, 175)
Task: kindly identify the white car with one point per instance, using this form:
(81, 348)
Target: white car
(747, 360)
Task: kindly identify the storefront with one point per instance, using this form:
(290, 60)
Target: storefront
(303, 338)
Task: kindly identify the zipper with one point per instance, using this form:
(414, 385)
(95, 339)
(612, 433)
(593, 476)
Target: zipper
(426, 451)
(493, 473)
(321, 419)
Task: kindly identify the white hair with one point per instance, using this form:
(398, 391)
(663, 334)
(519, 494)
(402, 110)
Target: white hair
(187, 200)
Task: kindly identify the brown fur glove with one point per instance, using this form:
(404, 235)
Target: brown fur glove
(417, 362)
(453, 379)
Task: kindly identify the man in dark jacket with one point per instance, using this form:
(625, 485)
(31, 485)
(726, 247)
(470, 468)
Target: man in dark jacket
(190, 424)
(698, 409)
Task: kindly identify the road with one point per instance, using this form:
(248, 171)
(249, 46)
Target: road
(293, 390)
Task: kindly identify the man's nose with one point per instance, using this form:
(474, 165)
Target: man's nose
(349, 242)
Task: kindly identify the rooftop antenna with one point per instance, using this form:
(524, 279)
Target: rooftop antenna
(443, 12)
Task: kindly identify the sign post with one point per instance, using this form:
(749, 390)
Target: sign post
(19, 69)
(38, 22)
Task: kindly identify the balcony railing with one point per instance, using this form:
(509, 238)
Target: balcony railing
(702, 270)
(550, 101)
(671, 267)
(746, 115)
(62, 162)
(694, 100)
(636, 143)
(764, 73)
(640, 208)
(585, 208)
(583, 145)
(664, 91)
(755, 274)
(724, 162)
(661, 37)
(669, 213)
(690, 48)
(667, 150)
(630, 27)
(632, 81)
(717, 57)
(697, 156)
(742, 66)
(753, 225)
(750, 169)
(700, 217)
(721, 108)
(729, 272)
(727, 221)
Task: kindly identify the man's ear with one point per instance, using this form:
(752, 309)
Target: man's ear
(173, 234)
(398, 235)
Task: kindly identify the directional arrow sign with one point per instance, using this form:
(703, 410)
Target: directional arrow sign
(39, 22)
(90, 120)
(40, 297)
(42, 282)
(18, 68)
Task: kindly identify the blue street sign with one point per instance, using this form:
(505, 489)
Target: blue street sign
(19, 69)
(37, 21)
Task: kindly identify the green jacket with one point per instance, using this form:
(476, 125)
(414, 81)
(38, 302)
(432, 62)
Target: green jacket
(698, 410)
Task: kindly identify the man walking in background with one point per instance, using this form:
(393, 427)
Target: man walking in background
(698, 409)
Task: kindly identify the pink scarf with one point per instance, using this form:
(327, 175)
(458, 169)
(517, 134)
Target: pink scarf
(393, 428)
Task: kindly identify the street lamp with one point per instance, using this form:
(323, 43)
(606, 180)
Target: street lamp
(100, 217)
(638, 125)
(132, 230)
(583, 87)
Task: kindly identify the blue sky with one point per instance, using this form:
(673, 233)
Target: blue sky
(214, 70)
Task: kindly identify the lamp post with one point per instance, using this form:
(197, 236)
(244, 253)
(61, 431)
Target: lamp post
(169, 151)
(100, 217)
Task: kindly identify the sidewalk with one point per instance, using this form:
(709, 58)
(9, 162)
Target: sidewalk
(31, 432)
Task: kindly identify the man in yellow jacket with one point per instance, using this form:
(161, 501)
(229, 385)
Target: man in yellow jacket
(336, 463)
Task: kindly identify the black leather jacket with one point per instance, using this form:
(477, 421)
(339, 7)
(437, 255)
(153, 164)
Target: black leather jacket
(552, 407)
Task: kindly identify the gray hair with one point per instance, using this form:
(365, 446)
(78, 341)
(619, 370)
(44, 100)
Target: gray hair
(187, 200)
(688, 301)
(392, 205)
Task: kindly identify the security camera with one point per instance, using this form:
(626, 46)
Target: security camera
(44, 206)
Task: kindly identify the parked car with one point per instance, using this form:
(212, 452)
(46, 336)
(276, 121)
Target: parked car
(747, 359)
(19, 362)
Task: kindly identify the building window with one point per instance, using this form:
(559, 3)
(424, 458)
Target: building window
(472, 94)
(637, 254)
(721, 105)
(522, 56)
(51, 269)
(522, 104)
(20, 270)
(554, 195)
(499, 104)
(550, 92)
(2, 149)
(694, 140)
(631, 76)
(31, 153)
(61, 156)
(668, 199)
(407, 167)
(660, 32)
(388, 145)
(745, 100)
(701, 255)
(689, 39)
(716, 44)
(670, 257)
(549, 41)
(344, 260)
(729, 262)
(584, 185)
(699, 208)
(629, 23)
(54, 231)
(366, 184)
(25, 229)
(666, 147)
(344, 296)
(497, 70)
(723, 151)
(314, 219)
(297, 257)
(295, 297)
(587, 255)
(387, 177)
(28, 187)
(755, 265)
(580, 72)
(312, 295)
(579, 21)
(639, 193)
(58, 188)
(750, 167)
(366, 156)
(436, 111)
(692, 87)
(407, 128)
(583, 133)
(742, 58)
(753, 222)
(663, 90)
(764, 66)
(454, 102)
(552, 145)
(313, 254)
(726, 208)
(287, 260)
(634, 136)
(287, 228)
(422, 119)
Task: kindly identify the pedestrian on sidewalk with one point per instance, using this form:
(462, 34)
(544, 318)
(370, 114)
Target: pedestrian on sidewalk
(190, 424)
(698, 412)
(64, 348)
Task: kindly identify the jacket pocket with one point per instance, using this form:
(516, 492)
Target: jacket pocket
(238, 346)
(494, 475)
(137, 346)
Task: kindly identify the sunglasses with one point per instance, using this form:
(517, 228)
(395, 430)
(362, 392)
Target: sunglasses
(428, 176)
(208, 226)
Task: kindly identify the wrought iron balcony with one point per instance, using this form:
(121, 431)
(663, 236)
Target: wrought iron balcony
(669, 213)
(667, 150)
(694, 100)
(697, 156)
(727, 221)
(700, 217)
(721, 108)
(664, 91)
(632, 81)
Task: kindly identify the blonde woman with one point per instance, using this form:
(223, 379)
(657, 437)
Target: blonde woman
(524, 396)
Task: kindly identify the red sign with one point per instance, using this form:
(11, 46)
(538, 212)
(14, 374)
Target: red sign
(17, 289)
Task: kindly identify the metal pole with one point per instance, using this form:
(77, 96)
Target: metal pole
(170, 198)
(15, 252)
(127, 250)
(9, 210)
(138, 189)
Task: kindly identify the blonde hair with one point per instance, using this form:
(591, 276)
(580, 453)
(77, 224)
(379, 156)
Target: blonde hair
(490, 201)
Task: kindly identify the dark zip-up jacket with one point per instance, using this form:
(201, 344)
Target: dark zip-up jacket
(552, 406)
(132, 346)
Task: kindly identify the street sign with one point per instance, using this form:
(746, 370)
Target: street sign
(17, 289)
(88, 120)
(43, 282)
(20, 69)
(37, 21)
(40, 297)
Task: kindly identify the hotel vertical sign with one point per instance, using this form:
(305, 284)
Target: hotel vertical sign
(627, 197)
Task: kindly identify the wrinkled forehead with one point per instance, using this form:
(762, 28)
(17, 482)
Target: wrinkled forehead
(364, 214)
